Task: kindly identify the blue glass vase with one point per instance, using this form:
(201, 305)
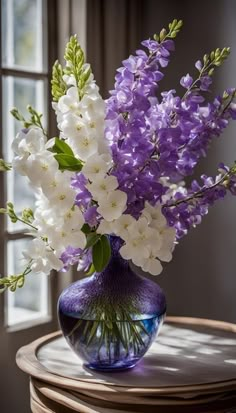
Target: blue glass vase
(111, 318)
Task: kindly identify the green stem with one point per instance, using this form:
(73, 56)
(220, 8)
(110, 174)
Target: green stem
(27, 223)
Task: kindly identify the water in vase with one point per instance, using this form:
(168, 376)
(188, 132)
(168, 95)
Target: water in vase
(110, 345)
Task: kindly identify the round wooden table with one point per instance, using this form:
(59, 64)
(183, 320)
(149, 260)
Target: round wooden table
(190, 368)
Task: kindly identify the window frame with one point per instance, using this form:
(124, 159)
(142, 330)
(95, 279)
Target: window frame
(50, 18)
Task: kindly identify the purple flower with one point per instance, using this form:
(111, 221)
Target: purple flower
(91, 216)
(72, 256)
(186, 81)
(198, 65)
(83, 196)
(153, 139)
(205, 82)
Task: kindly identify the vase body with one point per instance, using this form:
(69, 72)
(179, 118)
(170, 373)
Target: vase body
(111, 318)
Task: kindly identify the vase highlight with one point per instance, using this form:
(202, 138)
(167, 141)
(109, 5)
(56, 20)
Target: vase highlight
(111, 318)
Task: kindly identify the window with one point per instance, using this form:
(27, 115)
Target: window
(26, 45)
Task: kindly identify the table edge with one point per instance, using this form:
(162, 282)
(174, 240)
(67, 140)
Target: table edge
(35, 369)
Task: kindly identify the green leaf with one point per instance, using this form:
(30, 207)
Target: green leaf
(97, 254)
(106, 250)
(68, 162)
(86, 229)
(92, 238)
(91, 270)
(61, 146)
(101, 253)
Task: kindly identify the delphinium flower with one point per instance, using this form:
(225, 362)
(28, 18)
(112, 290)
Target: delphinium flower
(118, 167)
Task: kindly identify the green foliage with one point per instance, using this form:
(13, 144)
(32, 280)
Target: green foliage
(107, 323)
(65, 156)
(34, 119)
(232, 170)
(58, 85)
(11, 212)
(86, 229)
(214, 59)
(91, 270)
(68, 162)
(75, 65)
(207, 67)
(26, 218)
(174, 28)
(101, 253)
(17, 115)
(92, 238)
(4, 166)
(14, 281)
(61, 146)
(27, 215)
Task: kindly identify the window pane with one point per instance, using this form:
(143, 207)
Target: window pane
(19, 92)
(23, 44)
(30, 302)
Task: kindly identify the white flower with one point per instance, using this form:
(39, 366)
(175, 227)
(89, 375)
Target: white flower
(112, 206)
(62, 237)
(121, 225)
(152, 265)
(96, 167)
(91, 88)
(168, 236)
(154, 215)
(73, 219)
(92, 106)
(138, 237)
(105, 227)
(62, 199)
(73, 126)
(84, 147)
(42, 257)
(140, 230)
(55, 181)
(95, 126)
(70, 101)
(69, 80)
(41, 167)
(45, 219)
(29, 142)
(102, 186)
(19, 163)
(135, 250)
(59, 114)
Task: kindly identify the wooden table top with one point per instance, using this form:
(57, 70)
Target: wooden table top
(191, 364)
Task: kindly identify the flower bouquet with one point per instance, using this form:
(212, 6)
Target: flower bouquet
(111, 189)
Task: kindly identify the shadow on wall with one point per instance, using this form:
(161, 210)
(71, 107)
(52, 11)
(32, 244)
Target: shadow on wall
(201, 279)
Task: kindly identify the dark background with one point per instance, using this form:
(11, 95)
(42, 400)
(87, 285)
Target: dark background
(201, 279)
